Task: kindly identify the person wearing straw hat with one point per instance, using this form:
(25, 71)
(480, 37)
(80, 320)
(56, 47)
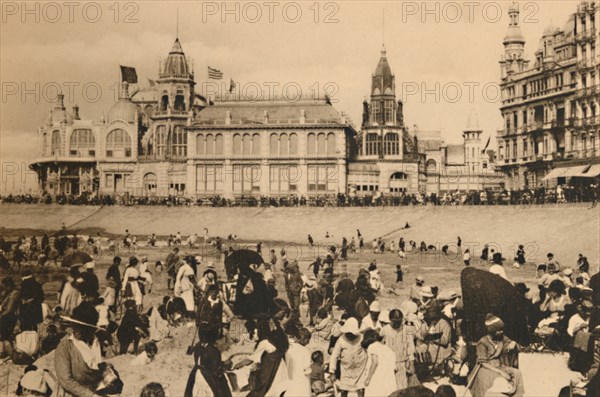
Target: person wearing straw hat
(371, 321)
(77, 357)
(495, 356)
(349, 355)
(415, 290)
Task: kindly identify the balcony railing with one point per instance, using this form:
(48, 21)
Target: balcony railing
(169, 112)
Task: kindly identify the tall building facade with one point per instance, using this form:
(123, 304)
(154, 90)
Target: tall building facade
(550, 105)
(167, 140)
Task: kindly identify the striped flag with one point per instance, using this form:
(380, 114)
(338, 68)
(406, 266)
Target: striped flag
(214, 74)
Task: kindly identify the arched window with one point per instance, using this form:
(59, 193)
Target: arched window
(391, 144)
(321, 144)
(55, 144)
(161, 140)
(219, 144)
(164, 102)
(118, 143)
(284, 145)
(209, 144)
(256, 144)
(311, 144)
(331, 143)
(150, 182)
(179, 101)
(293, 144)
(200, 144)
(431, 166)
(274, 144)
(247, 145)
(237, 144)
(82, 143)
(179, 141)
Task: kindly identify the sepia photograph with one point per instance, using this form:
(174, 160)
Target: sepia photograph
(301, 198)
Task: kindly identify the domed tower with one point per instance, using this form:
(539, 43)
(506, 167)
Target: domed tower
(175, 85)
(513, 59)
(472, 140)
(383, 93)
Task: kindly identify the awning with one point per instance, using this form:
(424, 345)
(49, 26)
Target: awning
(555, 173)
(590, 171)
(575, 171)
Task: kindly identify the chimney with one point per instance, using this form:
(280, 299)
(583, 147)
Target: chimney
(60, 101)
(76, 112)
(124, 94)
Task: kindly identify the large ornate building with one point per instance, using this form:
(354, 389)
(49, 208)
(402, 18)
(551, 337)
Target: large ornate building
(167, 140)
(551, 106)
(391, 159)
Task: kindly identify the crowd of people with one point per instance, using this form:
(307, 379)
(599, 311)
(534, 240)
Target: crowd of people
(560, 194)
(363, 347)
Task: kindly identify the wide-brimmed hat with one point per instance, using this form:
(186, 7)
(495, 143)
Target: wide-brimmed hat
(89, 265)
(568, 271)
(420, 279)
(408, 307)
(493, 323)
(144, 259)
(350, 327)
(384, 316)
(34, 381)
(375, 306)
(427, 292)
(448, 295)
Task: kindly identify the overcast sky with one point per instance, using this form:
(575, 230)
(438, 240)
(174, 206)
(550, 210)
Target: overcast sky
(450, 49)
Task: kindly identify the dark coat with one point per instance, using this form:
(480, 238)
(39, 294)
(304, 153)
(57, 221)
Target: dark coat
(30, 310)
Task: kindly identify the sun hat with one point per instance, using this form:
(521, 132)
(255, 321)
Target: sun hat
(408, 307)
(384, 316)
(350, 327)
(447, 295)
(89, 265)
(426, 292)
(33, 381)
(375, 306)
(493, 323)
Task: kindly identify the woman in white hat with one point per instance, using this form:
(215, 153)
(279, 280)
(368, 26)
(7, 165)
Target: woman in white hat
(130, 286)
(352, 360)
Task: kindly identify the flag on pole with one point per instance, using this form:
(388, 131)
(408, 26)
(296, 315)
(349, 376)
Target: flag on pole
(214, 74)
(486, 145)
(231, 85)
(128, 74)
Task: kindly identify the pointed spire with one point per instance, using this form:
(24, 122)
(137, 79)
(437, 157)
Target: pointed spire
(176, 49)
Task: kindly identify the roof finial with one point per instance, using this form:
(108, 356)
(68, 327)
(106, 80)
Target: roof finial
(383, 27)
(177, 25)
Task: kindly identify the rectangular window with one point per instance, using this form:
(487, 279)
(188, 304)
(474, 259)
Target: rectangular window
(246, 178)
(209, 179)
(109, 180)
(322, 178)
